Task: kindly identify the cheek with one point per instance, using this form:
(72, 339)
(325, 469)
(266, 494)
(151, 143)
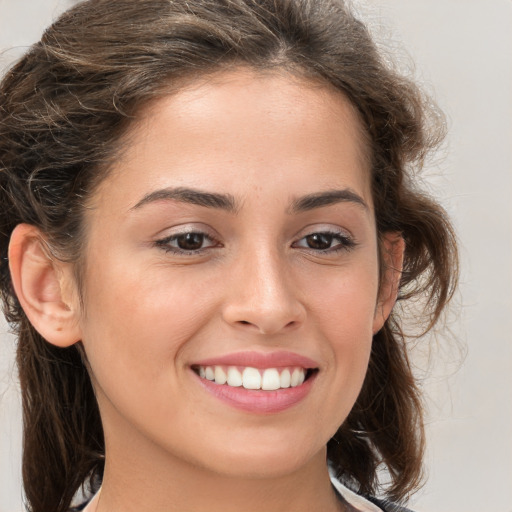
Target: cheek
(344, 300)
(342, 310)
(136, 323)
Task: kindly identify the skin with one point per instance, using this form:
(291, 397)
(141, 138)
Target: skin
(256, 284)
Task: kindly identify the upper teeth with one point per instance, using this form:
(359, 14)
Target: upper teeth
(253, 378)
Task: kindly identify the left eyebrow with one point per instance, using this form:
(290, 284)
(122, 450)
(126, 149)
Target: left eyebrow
(192, 196)
(327, 198)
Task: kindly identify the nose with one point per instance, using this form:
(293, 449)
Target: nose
(262, 296)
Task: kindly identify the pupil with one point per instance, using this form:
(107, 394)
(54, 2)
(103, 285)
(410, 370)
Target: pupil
(190, 241)
(319, 241)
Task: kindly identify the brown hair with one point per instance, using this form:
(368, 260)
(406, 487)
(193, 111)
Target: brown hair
(64, 107)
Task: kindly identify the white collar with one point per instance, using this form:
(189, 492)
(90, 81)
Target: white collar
(362, 504)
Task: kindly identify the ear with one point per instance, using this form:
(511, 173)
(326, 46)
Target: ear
(392, 254)
(44, 287)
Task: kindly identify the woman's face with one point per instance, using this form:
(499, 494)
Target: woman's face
(234, 238)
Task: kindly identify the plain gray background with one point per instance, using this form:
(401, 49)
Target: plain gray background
(463, 55)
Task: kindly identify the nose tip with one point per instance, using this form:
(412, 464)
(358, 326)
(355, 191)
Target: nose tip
(264, 301)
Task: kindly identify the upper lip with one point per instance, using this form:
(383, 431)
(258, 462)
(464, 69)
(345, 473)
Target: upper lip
(260, 360)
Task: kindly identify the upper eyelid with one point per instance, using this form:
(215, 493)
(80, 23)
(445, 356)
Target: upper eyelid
(315, 228)
(205, 230)
(184, 229)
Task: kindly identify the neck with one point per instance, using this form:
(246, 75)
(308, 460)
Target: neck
(158, 482)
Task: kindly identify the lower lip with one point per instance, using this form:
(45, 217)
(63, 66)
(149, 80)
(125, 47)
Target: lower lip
(258, 401)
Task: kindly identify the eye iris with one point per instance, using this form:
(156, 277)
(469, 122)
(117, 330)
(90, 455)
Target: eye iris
(190, 241)
(319, 241)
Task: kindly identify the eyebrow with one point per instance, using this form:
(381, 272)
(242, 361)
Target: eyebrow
(329, 197)
(192, 196)
(228, 202)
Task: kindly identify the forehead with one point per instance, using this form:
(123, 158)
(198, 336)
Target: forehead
(245, 126)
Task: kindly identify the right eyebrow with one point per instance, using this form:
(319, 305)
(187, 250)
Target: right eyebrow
(327, 198)
(192, 196)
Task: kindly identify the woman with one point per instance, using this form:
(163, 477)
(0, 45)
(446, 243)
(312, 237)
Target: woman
(208, 214)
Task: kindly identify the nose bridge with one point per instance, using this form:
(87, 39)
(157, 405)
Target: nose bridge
(262, 294)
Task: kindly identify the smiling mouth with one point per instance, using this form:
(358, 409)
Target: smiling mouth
(268, 379)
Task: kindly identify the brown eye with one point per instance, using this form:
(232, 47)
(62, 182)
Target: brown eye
(320, 241)
(187, 243)
(326, 242)
(190, 241)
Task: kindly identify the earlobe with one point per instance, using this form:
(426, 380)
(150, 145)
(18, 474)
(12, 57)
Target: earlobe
(43, 286)
(393, 248)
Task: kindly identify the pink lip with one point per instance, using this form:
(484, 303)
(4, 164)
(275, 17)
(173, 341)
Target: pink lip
(260, 360)
(258, 401)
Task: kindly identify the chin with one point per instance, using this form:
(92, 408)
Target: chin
(262, 460)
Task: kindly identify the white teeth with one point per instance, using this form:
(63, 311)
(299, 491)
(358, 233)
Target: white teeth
(284, 379)
(251, 378)
(220, 375)
(297, 377)
(269, 379)
(234, 377)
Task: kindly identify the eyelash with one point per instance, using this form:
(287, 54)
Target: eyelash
(346, 242)
(164, 243)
